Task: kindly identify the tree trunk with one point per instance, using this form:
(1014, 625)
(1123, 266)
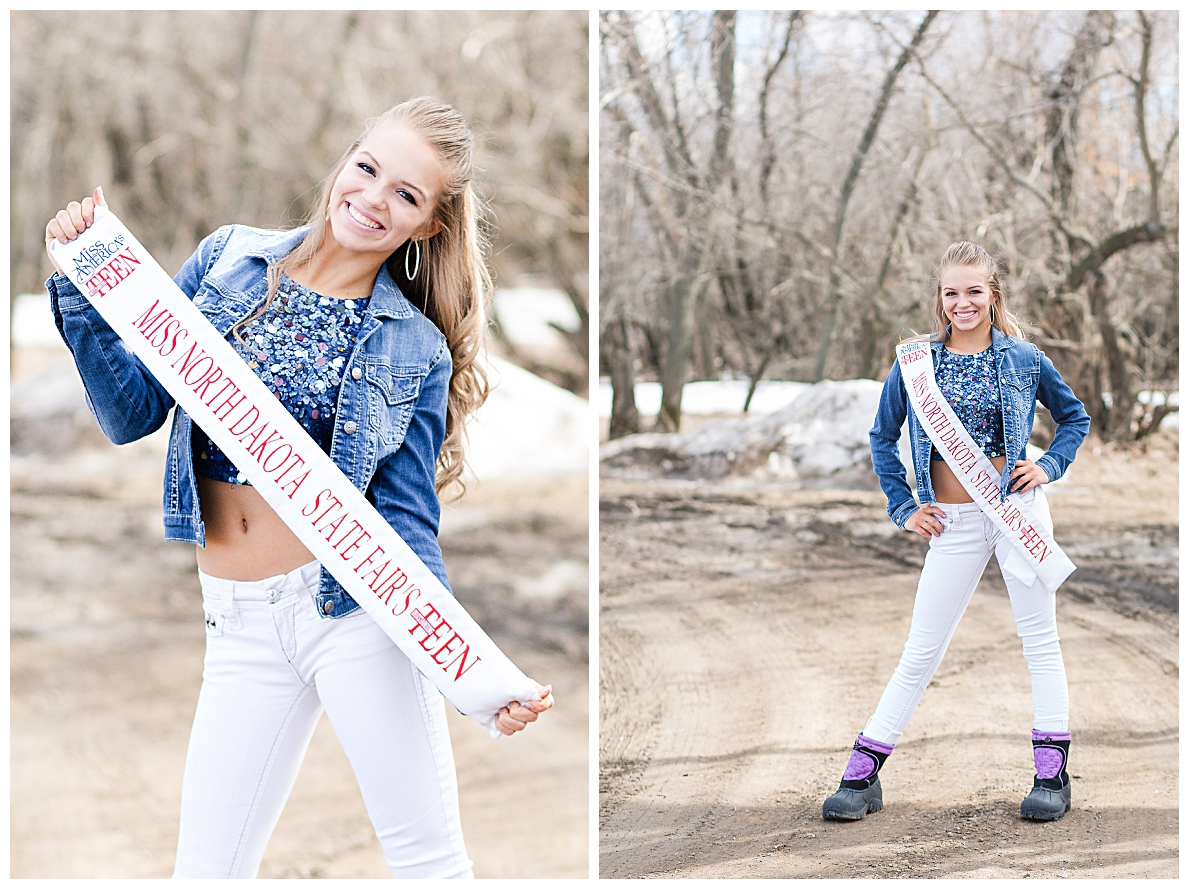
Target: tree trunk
(1118, 420)
(625, 419)
(681, 334)
(755, 379)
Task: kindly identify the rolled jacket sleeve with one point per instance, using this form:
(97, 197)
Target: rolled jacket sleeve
(1068, 412)
(885, 453)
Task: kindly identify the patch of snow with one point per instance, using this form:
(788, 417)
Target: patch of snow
(560, 579)
(820, 438)
(33, 321)
(56, 391)
(704, 397)
(526, 315)
(527, 427)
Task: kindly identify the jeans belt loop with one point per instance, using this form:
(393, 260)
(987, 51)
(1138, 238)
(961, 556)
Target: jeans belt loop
(227, 603)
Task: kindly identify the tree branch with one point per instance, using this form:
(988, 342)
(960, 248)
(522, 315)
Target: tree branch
(1053, 211)
(1141, 89)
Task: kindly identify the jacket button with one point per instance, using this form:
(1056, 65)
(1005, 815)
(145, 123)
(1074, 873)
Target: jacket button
(356, 373)
(1008, 408)
(350, 426)
(1011, 438)
(327, 606)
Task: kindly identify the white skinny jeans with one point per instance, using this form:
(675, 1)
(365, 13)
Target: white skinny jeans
(953, 567)
(272, 665)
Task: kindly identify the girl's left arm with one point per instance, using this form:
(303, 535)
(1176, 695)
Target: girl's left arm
(1068, 413)
(403, 487)
(404, 491)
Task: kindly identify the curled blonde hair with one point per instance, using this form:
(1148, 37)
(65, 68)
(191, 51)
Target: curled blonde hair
(965, 253)
(453, 286)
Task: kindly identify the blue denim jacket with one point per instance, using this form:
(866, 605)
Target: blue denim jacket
(391, 415)
(1025, 375)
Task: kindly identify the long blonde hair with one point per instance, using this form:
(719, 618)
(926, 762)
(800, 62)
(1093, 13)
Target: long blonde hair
(965, 253)
(453, 285)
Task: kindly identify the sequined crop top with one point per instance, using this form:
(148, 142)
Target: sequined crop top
(299, 347)
(970, 384)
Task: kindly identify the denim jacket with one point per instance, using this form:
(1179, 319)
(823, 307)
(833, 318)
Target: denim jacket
(391, 416)
(1025, 375)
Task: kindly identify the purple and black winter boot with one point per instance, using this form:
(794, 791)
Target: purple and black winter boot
(1050, 796)
(859, 792)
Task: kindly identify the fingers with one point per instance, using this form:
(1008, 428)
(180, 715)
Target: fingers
(516, 716)
(1025, 476)
(69, 222)
(508, 723)
(936, 514)
(78, 216)
(925, 523)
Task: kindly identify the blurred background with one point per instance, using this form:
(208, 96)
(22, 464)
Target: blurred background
(191, 120)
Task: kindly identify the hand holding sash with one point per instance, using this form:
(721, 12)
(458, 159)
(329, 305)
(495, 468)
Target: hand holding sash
(68, 224)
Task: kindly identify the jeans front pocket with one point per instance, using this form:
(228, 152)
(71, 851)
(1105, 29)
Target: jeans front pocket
(214, 619)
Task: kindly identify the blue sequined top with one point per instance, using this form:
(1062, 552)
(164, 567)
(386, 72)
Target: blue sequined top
(968, 383)
(299, 348)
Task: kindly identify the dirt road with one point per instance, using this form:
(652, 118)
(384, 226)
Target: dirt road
(746, 635)
(106, 661)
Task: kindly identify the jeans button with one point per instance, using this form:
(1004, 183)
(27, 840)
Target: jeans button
(350, 426)
(273, 595)
(327, 606)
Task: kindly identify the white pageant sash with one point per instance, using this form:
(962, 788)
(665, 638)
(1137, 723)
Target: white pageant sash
(1034, 551)
(334, 520)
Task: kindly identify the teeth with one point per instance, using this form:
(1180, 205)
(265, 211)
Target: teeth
(362, 220)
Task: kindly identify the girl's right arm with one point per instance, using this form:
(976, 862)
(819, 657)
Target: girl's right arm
(125, 398)
(885, 451)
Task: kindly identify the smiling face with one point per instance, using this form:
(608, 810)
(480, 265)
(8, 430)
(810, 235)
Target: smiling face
(387, 191)
(966, 297)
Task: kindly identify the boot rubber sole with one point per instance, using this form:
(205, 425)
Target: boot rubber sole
(1039, 804)
(853, 805)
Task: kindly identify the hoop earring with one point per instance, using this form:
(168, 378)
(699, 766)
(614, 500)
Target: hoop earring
(992, 314)
(417, 263)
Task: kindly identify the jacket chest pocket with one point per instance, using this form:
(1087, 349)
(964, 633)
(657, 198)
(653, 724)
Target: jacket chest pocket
(392, 396)
(1019, 390)
(1019, 394)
